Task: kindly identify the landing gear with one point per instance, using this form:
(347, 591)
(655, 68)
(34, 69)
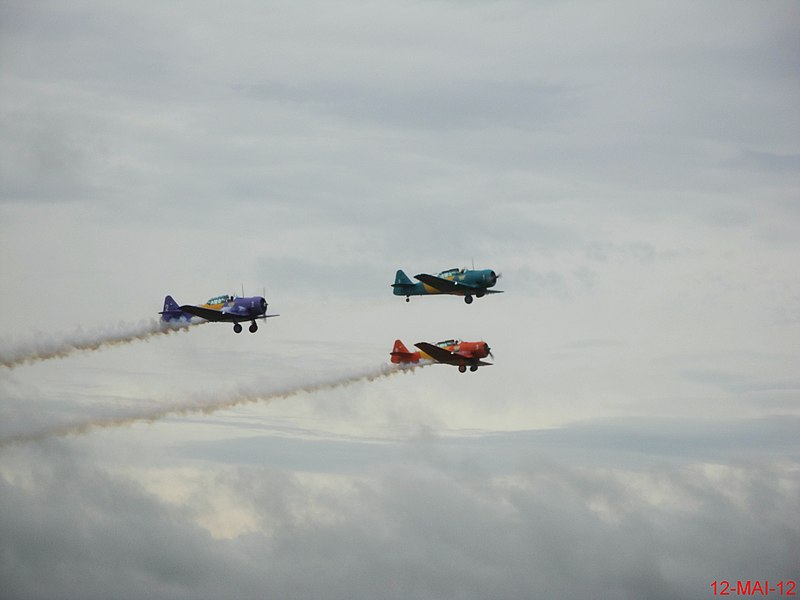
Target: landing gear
(462, 368)
(253, 327)
(468, 299)
(407, 299)
(237, 328)
(473, 368)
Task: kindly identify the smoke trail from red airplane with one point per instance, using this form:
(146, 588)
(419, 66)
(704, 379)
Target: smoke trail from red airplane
(47, 346)
(208, 406)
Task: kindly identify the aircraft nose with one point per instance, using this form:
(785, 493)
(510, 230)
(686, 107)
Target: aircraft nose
(492, 278)
(263, 305)
(486, 349)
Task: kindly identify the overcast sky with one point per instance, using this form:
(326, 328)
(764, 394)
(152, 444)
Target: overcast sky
(630, 167)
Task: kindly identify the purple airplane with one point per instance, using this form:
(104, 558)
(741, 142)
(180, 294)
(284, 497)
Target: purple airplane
(229, 309)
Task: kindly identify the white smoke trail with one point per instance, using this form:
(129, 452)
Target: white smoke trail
(47, 346)
(207, 406)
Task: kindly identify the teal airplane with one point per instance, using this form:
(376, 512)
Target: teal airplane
(456, 282)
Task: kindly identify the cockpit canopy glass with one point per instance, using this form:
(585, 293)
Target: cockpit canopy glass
(447, 343)
(220, 299)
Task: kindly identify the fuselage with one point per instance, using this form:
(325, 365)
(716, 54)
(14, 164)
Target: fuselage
(237, 308)
(478, 349)
(474, 282)
(225, 308)
(482, 278)
(248, 308)
(465, 351)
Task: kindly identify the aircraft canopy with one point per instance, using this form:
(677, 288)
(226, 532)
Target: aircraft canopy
(219, 299)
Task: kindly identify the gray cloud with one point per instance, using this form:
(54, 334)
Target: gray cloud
(631, 443)
(443, 105)
(418, 529)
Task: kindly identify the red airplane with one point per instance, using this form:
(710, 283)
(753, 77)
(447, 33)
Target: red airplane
(449, 352)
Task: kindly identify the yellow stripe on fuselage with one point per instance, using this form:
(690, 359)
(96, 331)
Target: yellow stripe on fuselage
(213, 306)
(430, 290)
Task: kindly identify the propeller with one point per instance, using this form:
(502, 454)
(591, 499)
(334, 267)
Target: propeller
(488, 350)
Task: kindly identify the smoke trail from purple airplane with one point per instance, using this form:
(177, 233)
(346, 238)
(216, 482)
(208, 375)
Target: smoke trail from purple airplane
(47, 347)
(208, 406)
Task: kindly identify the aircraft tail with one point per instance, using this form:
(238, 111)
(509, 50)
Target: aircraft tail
(401, 279)
(403, 286)
(401, 354)
(172, 311)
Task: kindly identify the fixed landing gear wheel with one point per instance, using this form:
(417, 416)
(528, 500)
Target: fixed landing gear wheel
(468, 299)
(473, 368)
(253, 327)
(237, 328)
(407, 299)
(462, 368)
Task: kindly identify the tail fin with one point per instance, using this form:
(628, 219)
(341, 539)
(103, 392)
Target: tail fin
(400, 347)
(401, 279)
(401, 354)
(170, 305)
(172, 311)
(403, 286)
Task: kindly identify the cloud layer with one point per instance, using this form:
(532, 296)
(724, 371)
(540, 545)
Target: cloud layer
(417, 528)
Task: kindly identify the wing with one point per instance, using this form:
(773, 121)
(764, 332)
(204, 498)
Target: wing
(469, 360)
(206, 313)
(447, 286)
(440, 354)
